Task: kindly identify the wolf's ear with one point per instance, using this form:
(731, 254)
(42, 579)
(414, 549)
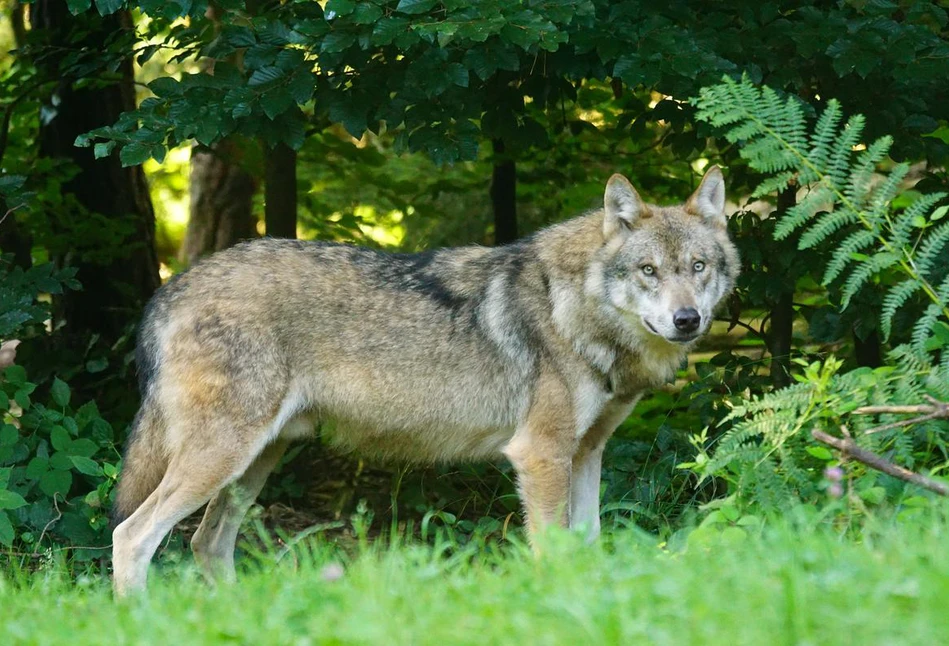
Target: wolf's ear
(708, 200)
(622, 205)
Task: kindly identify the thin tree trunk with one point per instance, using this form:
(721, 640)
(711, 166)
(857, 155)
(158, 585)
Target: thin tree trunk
(280, 192)
(222, 193)
(782, 313)
(114, 289)
(867, 351)
(504, 195)
(222, 190)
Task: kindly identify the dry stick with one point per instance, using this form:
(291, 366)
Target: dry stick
(934, 410)
(850, 449)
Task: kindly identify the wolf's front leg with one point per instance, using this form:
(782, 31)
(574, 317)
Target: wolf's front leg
(542, 454)
(587, 464)
(543, 481)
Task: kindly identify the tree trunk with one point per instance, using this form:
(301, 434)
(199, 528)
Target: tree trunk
(280, 192)
(867, 351)
(504, 195)
(782, 313)
(222, 193)
(115, 289)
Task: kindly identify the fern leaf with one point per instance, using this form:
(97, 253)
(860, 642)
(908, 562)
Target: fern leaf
(818, 199)
(895, 298)
(924, 326)
(904, 223)
(929, 250)
(866, 270)
(843, 255)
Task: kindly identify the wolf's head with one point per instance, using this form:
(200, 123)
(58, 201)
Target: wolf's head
(666, 268)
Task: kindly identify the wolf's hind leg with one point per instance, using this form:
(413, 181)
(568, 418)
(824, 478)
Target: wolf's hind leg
(213, 544)
(194, 475)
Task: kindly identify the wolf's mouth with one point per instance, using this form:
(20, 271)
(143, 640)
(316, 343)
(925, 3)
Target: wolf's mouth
(679, 338)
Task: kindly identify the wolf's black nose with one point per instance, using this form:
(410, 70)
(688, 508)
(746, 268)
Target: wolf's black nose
(686, 319)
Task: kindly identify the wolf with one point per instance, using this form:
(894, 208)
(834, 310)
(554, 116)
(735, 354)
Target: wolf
(536, 351)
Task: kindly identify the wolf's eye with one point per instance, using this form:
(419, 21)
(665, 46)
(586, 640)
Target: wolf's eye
(698, 266)
(649, 270)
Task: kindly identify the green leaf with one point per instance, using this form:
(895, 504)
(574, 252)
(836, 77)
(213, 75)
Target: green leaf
(135, 154)
(60, 392)
(60, 439)
(337, 41)
(11, 500)
(939, 213)
(820, 453)
(108, 7)
(340, 7)
(83, 447)
(60, 461)
(16, 375)
(415, 6)
(165, 86)
(37, 467)
(367, 13)
(265, 75)
(388, 29)
(458, 74)
(6, 529)
(103, 149)
(8, 435)
(276, 101)
(56, 482)
(22, 398)
(86, 466)
(77, 7)
(97, 365)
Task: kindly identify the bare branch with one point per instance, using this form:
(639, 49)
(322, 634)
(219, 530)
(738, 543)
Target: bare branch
(849, 448)
(934, 410)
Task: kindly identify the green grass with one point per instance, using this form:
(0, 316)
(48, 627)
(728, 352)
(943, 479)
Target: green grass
(783, 585)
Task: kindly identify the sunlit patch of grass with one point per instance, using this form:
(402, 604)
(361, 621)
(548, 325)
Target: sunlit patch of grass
(791, 583)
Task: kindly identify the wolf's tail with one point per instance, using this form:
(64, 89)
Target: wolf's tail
(143, 464)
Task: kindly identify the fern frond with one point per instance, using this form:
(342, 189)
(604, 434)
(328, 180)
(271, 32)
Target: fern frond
(923, 328)
(825, 133)
(885, 192)
(919, 208)
(839, 166)
(931, 247)
(895, 298)
(843, 254)
(820, 198)
(825, 226)
(858, 185)
(869, 268)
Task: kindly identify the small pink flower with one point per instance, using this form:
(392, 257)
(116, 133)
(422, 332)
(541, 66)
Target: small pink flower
(835, 490)
(332, 572)
(834, 474)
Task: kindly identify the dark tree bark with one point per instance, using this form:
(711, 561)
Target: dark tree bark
(782, 313)
(113, 292)
(867, 351)
(280, 192)
(222, 193)
(13, 239)
(504, 195)
(221, 188)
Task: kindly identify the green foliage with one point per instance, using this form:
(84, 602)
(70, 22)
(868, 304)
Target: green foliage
(57, 468)
(766, 453)
(838, 202)
(57, 460)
